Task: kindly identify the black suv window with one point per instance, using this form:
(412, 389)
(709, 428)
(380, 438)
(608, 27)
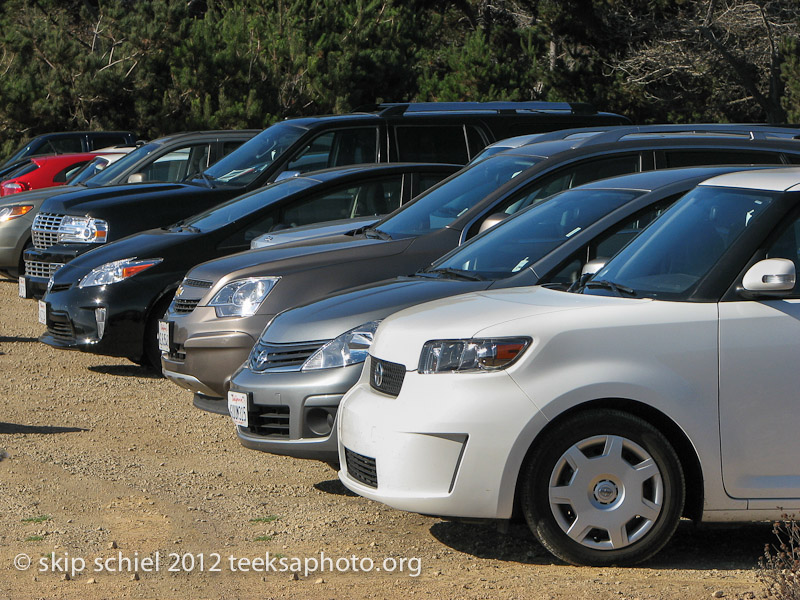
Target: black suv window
(105, 140)
(454, 144)
(62, 146)
(788, 246)
(337, 148)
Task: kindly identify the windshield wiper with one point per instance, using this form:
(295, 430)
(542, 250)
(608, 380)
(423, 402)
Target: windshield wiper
(376, 234)
(455, 273)
(207, 179)
(619, 290)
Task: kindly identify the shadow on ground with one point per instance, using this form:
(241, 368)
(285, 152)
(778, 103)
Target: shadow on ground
(126, 371)
(9, 339)
(12, 428)
(334, 487)
(703, 547)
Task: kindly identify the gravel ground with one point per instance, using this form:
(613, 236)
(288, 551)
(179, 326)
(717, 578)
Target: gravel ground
(101, 460)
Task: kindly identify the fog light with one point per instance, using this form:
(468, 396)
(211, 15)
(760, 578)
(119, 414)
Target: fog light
(100, 317)
(319, 421)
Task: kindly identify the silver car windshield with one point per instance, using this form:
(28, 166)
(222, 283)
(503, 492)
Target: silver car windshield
(679, 249)
(455, 196)
(521, 240)
(246, 163)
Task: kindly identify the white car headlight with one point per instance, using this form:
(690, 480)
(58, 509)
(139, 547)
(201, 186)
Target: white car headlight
(82, 230)
(243, 297)
(459, 356)
(117, 271)
(350, 348)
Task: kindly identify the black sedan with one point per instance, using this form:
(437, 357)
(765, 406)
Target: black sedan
(108, 301)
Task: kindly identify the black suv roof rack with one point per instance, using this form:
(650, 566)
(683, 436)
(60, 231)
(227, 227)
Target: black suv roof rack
(391, 109)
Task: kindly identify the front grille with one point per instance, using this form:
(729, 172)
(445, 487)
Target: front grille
(45, 230)
(35, 268)
(184, 307)
(361, 468)
(386, 377)
(270, 421)
(284, 355)
(198, 283)
(60, 327)
(59, 287)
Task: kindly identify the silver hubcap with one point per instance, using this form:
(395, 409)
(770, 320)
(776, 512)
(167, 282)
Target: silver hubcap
(606, 492)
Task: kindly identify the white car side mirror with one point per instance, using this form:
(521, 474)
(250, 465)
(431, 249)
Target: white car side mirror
(136, 178)
(492, 220)
(771, 276)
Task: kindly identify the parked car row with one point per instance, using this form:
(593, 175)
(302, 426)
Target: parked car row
(563, 329)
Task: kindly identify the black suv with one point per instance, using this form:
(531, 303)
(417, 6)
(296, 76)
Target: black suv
(71, 224)
(169, 158)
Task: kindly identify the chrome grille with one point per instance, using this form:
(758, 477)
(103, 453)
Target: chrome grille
(284, 355)
(361, 468)
(198, 283)
(45, 230)
(35, 268)
(184, 307)
(385, 376)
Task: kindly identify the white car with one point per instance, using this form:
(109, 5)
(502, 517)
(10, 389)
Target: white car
(667, 388)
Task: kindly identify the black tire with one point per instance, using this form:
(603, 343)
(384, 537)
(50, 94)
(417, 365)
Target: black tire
(598, 501)
(152, 355)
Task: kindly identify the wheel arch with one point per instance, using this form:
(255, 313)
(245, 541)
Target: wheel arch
(687, 455)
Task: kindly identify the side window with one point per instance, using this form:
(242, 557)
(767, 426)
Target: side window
(337, 148)
(564, 179)
(104, 141)
(243, 237)
(475, 141)
(432, 143)
(375, 197)
(63, 146)
(607, 244)
(788, 246)
(427, 180)
(689, 158)
(229, 146)
(64, 174)
(177, 164)
(793, 159)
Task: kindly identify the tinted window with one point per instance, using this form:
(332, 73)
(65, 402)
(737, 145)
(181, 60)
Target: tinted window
(66, 173)
(370, 198)
(178, 164)
(62, 146)
(116, 169)
(689, 158)
(788, 246)
(522, 240)
(337, 148)
(432, 143)
(443, 204)
(679, 249)
(104, 140)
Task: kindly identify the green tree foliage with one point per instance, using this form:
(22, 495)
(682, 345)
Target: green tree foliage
(160, 66)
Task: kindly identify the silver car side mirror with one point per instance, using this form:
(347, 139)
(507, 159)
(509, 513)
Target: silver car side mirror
(770, 277)
(136, 178)
(593, 266)
(492, 220)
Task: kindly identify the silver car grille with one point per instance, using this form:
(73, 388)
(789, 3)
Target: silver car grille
(45, 230)
(34, 268)
(288, 357)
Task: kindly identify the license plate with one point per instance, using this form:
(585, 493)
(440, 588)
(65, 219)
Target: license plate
(237, 408)
(23, 291)
(42, 312)
(164, 335)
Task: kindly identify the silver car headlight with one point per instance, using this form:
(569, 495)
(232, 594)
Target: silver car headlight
(82, 230)
(350, 348)
(117, 271)
(243, 297)
(460, 356)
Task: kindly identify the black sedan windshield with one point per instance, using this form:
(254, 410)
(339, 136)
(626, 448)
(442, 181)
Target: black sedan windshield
(531, 234)
(678, 250)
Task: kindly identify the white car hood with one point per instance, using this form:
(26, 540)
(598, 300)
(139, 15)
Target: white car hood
(401, 336)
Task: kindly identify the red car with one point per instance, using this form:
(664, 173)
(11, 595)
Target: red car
(45, 171)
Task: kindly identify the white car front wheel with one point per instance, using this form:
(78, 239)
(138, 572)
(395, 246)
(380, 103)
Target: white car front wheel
(603, 487)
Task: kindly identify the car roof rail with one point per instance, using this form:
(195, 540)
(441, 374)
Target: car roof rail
(754, 131)
(391, 109)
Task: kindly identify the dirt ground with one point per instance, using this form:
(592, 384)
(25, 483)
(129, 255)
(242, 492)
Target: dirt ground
(103, 464)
